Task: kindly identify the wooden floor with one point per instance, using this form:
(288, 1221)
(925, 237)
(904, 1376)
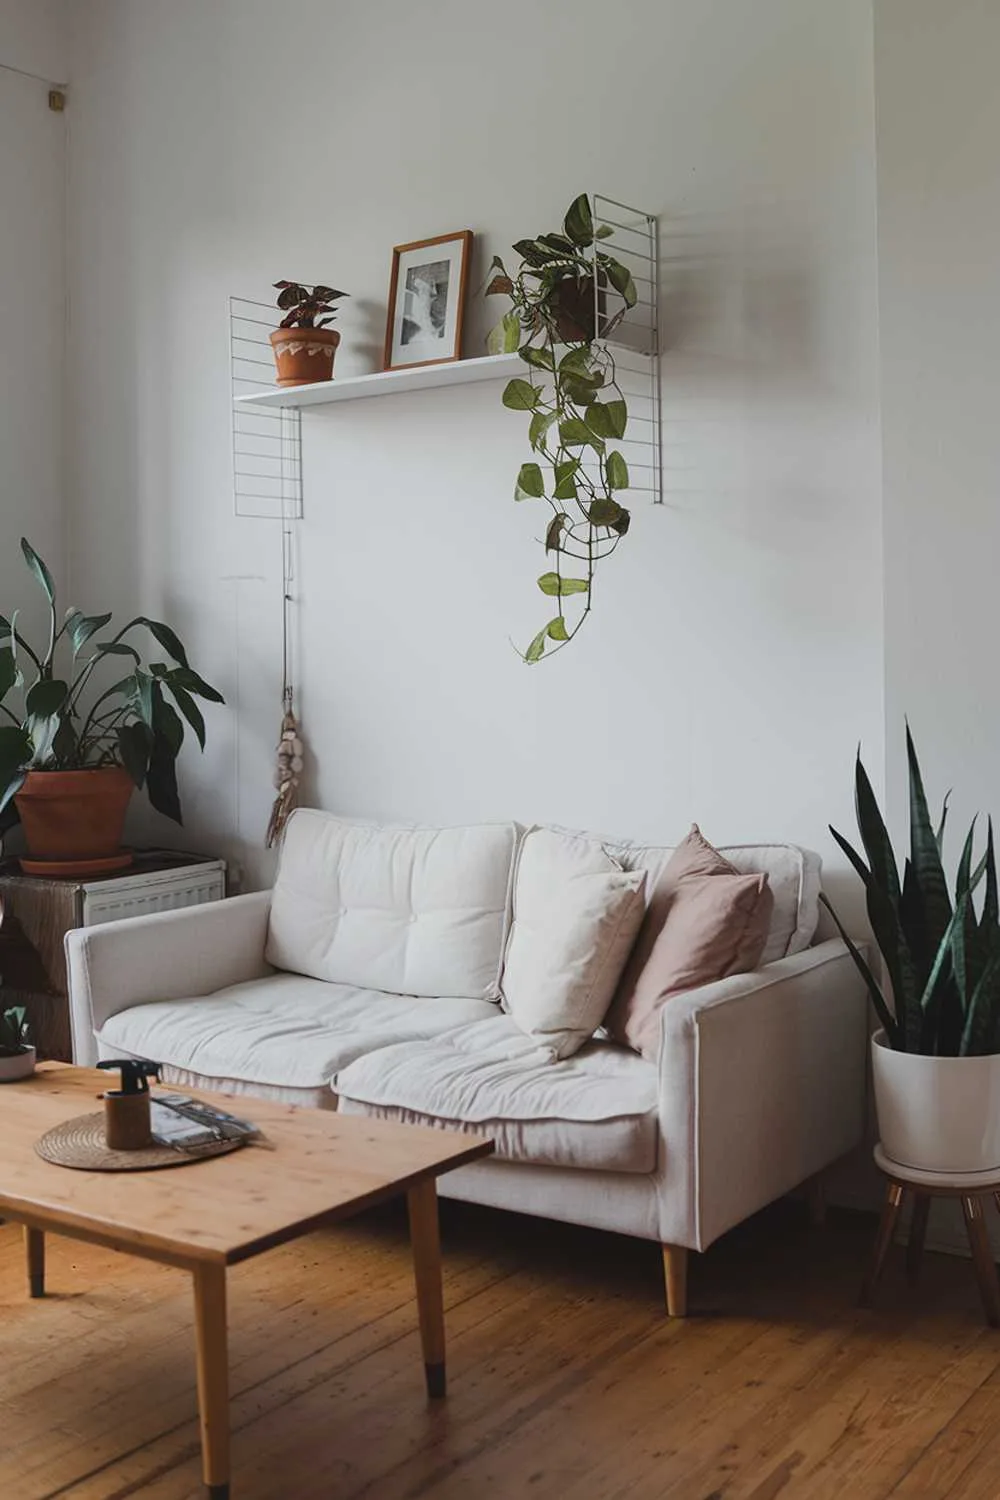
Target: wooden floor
(567, 1382)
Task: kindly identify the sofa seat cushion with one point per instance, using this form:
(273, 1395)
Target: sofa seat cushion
(596, 1109)
(282, 1030)
(408, 911)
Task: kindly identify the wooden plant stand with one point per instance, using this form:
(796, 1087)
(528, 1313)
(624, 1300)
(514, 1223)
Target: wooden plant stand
(973, 1189)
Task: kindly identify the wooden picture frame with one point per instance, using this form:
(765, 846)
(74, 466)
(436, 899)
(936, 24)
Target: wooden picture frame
(430, 314)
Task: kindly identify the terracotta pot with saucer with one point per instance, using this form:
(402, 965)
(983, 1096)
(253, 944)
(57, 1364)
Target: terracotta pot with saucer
(73, 821)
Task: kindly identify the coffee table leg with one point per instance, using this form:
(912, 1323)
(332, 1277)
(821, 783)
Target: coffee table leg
(34, 1249)
(213, 1377)
(425, 1238)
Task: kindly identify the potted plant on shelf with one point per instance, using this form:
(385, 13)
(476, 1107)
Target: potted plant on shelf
(17, 1055)
(568, 297)
(73, 747)
(304, 344)
(936, 1056)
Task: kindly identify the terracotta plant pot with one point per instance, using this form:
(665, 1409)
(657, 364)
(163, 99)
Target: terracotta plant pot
(20, 1065)
(304, 355)
(73, 821)
(572, 302)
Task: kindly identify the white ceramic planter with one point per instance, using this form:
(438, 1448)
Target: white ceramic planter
(937, 1114)
(21, 1066)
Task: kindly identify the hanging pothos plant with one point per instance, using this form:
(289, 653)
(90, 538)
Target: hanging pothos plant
(568, 296)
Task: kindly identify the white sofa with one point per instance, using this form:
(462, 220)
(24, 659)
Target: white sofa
(369, 980)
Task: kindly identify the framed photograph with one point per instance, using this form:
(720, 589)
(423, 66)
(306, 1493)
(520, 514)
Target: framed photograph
(427, 301)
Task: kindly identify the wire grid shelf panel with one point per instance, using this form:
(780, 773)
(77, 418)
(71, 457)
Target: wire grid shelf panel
(631, 236)
(267, 441)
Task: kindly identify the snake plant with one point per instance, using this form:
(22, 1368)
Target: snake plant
(941, 956)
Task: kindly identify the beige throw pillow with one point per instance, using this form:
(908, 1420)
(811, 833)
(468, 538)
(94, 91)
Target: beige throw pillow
(576, 914)
(706, 921)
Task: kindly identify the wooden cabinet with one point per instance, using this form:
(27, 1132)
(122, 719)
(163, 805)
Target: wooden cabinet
(39, 912)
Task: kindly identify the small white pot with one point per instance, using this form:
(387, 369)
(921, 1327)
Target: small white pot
(20, 1066)
(937, 1114)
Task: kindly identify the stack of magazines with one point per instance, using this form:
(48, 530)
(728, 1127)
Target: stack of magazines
(190, 1126)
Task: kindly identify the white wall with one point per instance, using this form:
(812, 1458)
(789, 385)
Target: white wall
(939, 238)
(32, 291)
(735, 655)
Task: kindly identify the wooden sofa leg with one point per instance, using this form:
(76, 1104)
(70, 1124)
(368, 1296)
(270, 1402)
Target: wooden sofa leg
(675, 1268)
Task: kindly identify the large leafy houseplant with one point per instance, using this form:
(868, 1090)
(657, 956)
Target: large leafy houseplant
(58, 713)
(941, 955)
(568, 296)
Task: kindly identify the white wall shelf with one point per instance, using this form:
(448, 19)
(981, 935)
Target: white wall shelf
(387, 382)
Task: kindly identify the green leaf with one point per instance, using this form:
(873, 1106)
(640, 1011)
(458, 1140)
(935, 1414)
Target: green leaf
(553, 536)
(578, 391)
(116, 648)
(505, 337)
(521, 395)
(557, 629)
(565, 475)
(135, 742)
(530, 484)
(603, 232)
(551, 583)
(161, 781)
(8, 671)
(597, 420)
(15, 751)
(39, 570)
(882, 1010)
(539, 425)
(579, 221)
(537, 355)
(604, 512)
(617, 414)
(46, 697)
(167, 725)
(617, 471)
(574, 434)
(81, 627)
(188, 678)
(167, 639)
(621, 279)
(578, 362)
(537, 647)
(143, 690)
(190, 710)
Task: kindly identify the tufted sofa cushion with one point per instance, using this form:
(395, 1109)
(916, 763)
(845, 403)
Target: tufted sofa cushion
(408, 911)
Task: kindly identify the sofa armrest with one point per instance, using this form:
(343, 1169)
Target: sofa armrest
(762, 1084)
(167, 955)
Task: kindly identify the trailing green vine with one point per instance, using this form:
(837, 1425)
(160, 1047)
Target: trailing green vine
(568, 296)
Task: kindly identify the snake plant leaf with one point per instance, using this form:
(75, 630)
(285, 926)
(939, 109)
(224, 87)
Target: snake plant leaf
(991, 909)
(884, 917)
(925, 852)
(980, 1023)
(886, 1018)
(874, 834)
(964, 954)
(939, 835)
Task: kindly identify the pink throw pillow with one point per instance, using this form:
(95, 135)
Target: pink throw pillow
(705, 922)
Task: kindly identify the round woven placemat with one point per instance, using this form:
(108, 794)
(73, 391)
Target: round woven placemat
(80, 1143)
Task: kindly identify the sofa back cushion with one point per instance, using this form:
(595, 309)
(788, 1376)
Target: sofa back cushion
(576, 915)
(410, 911)
(793, 875)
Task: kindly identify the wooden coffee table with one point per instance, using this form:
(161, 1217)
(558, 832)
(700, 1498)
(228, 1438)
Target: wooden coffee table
(215, 1213)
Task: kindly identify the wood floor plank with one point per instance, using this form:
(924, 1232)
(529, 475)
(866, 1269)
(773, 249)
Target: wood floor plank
(567, 1380)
